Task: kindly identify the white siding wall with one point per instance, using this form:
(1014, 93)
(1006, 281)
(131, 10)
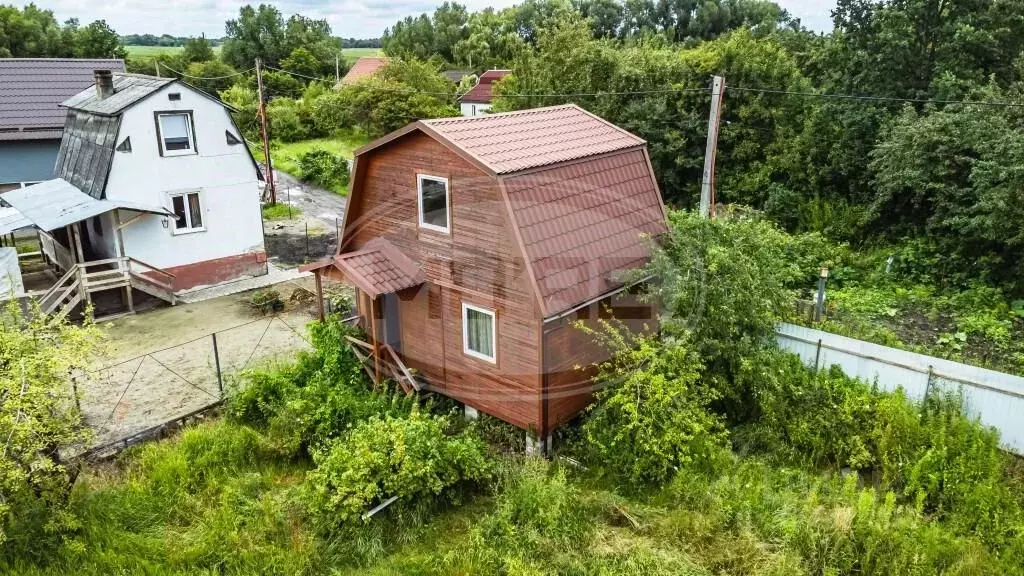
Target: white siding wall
(224, 176)
(470, 109)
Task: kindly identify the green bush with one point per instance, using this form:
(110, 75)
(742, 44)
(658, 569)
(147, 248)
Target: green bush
(324, 168)
(286, 121)
(330, 112)
(650, 417)
(266, 301)
(411, 458)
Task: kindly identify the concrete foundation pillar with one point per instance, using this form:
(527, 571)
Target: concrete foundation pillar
(471, 413)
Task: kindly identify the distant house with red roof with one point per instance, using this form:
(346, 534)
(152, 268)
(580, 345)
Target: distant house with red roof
(476, 243)
(478, 99)
(363, 68)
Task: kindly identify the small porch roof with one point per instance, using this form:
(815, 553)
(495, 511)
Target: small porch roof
(378, 268)
(12, 220)
(57, 203)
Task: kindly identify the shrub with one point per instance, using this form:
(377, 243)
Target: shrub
(538, 517)
(330, 112)
(286, 121)
(650, 417)
(411, 458)
(265, 301)
(324, 168)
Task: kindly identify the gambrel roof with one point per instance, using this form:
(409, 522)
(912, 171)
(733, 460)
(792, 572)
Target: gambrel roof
(579, 191)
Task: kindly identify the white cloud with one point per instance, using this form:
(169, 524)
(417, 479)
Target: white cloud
(348, 18)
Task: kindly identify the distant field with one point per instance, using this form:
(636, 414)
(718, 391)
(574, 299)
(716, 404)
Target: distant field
(154, 51)
(351, 54)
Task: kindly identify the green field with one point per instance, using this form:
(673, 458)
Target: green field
(154, 51)
(352, 54)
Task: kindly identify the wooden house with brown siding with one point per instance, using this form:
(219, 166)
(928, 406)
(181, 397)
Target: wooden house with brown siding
(474, 243)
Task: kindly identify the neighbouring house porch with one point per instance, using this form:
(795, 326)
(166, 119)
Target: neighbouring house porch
(81, 263)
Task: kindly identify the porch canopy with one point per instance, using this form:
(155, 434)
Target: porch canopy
(11, 221)
(57, 203)
(378, 268)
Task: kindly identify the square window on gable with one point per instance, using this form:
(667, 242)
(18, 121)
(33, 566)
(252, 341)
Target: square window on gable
(176, 135)
(432, 195)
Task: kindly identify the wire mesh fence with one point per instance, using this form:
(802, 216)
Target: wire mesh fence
(134, 398)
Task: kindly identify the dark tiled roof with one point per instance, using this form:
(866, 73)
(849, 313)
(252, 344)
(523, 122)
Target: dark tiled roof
(31, 90)
(483, 92)
(380, 268)
(363, 68)
(87, 151)
(128, 89)
(516, 141)
(584, 223)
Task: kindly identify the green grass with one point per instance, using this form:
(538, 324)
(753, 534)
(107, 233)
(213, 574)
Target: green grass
(353, 54)
(286, 154)
(280, 211)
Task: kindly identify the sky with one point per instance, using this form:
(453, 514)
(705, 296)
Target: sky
(348, 18)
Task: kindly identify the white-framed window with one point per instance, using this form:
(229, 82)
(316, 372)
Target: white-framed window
(188, 212)
(478, 333)
(432, 195)
(176, 134)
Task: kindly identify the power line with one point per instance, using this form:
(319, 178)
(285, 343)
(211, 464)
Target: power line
(524, 95)
(183, 75)
(876, 98)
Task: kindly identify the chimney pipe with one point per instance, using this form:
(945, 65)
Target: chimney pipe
(104, 83)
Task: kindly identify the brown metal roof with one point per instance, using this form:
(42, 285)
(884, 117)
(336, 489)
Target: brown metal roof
(378, 268)
(584, 223)
(517, 141)
(483, 92)
(31, 90)
(363, 68)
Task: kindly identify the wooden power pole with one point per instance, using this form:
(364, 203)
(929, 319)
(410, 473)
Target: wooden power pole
(263, 130)
(707, 188)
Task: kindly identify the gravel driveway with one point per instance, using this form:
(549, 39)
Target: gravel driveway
(311, 235)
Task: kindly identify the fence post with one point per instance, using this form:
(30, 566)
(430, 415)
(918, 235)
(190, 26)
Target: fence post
(817, 357)
(216, 360)
(307, 239)
(74, 390)
(819, 302)
(927, 388)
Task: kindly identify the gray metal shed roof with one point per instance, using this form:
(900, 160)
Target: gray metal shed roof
(57, 203)
(128, 89)
(11, 220)
(31, 90)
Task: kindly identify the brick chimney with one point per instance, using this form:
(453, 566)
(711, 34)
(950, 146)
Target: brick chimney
(104, 83)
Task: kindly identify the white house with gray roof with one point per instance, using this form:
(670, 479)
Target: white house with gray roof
(154, 188)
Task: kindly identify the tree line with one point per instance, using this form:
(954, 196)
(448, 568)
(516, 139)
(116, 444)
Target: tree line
(161, 40)
(911, 167)
(30, 32)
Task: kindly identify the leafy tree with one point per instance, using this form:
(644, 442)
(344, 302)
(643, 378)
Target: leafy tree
(98, 40)
(38, 420)
(403, 91)
(302, 62)
(256, 33)
(197, 50)
(210, 76)
(243, 99)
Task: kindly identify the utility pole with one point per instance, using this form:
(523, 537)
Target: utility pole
(263, 130)
(707, 189)
(337, 68)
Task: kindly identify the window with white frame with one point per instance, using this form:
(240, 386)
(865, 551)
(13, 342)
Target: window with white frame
(188, 212)
(478, 332)
(433, 203)
(176, 135)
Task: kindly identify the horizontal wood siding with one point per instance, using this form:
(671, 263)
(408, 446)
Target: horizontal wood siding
(570, 354)
(477, 263)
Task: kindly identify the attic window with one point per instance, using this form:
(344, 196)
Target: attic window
(125, 145)
(174, 96)
(433, 202)
(176, 137)
(231, 138)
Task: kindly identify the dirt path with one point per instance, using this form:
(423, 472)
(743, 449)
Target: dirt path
(313, 233)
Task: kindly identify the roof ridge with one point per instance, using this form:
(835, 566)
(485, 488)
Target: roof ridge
(484, 117)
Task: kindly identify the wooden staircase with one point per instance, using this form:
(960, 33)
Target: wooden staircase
(82, 280)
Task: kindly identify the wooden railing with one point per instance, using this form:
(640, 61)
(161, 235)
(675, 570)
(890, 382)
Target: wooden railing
(80, 280)
(55, 251)
(65, 294)
(147, 273)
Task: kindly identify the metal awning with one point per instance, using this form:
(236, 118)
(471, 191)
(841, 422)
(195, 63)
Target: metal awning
(11, 220)
(57, 203)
